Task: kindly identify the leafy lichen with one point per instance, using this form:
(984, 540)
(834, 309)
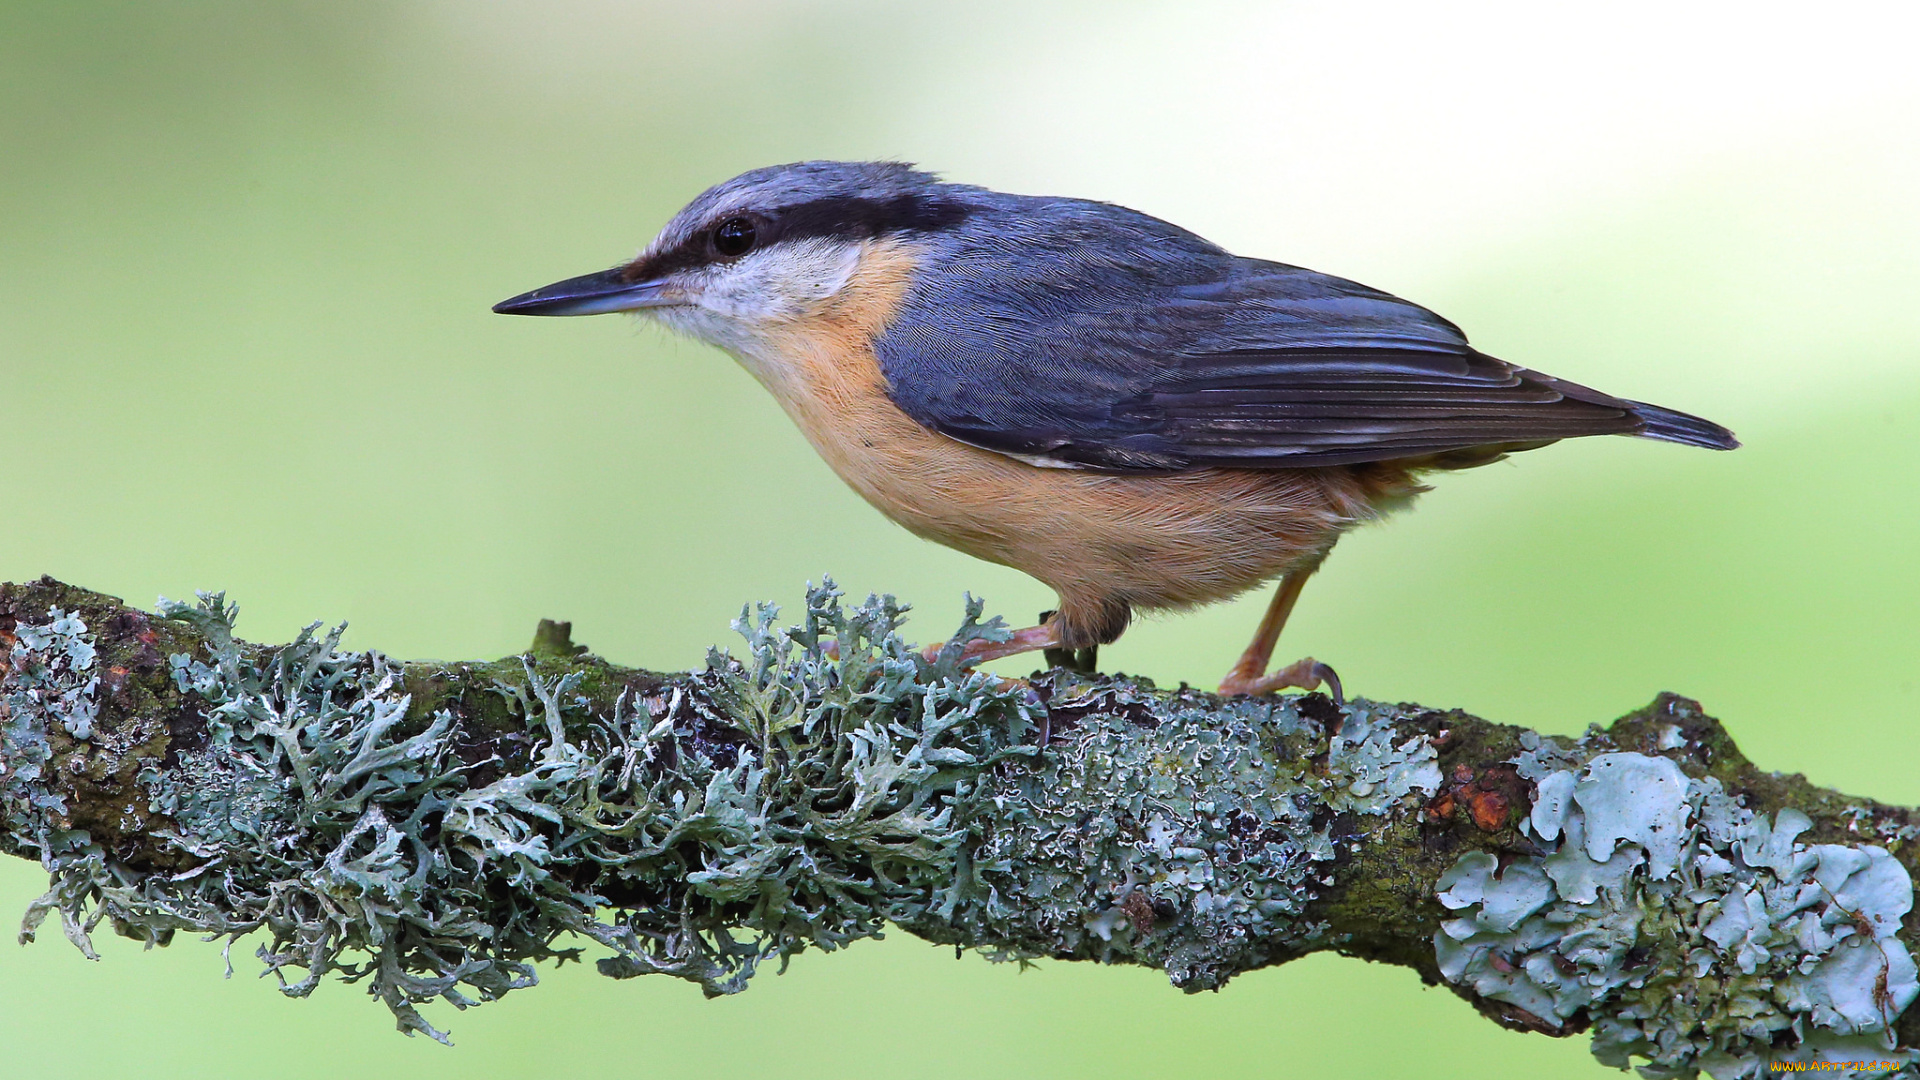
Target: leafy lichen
(1692, 932)
(687, 841)
(49, 683)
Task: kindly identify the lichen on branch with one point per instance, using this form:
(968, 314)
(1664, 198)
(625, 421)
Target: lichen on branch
(435, 831)
(1693, 932)
(441, 852)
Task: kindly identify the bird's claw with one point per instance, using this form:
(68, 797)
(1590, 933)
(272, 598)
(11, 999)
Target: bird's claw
(1303, 674)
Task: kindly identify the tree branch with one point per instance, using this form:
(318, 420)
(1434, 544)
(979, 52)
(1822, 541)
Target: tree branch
(437, 829)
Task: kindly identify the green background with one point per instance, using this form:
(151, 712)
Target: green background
(246, 255)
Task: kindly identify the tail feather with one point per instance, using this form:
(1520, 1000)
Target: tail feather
(1670, 426)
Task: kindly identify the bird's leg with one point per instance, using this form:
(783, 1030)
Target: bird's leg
(1253, 662)
(1044, 636)
(1250, 677)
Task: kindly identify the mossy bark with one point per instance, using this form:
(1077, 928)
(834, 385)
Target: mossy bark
(1110, 820)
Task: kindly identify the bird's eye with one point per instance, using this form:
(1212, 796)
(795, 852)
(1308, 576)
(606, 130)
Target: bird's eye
(733, 237)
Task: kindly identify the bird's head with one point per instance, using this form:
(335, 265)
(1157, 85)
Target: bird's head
(761, 251)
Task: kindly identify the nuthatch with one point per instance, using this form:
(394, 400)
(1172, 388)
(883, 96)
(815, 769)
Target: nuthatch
(1090, 395)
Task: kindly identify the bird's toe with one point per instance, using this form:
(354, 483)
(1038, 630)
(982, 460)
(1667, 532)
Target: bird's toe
(1303, 674)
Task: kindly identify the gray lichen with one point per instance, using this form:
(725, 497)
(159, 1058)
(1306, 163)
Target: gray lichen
(828, 782)
(434, 831)
(1694, 933)
(49, 682)
(1187, 837)
(824, 801)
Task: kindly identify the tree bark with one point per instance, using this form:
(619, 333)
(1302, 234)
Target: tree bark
(437, 829)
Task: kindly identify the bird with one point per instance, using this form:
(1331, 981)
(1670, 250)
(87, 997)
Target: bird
(1101, 399)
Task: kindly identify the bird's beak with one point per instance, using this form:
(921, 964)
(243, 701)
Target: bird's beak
(591, 294)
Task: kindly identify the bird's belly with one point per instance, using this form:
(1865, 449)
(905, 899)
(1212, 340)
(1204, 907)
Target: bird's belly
(1153, 541)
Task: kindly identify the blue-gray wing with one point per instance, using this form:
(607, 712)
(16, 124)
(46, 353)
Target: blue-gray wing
(1105, 339)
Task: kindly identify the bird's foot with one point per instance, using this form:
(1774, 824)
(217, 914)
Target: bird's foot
(1084, 661)
(1303, 674)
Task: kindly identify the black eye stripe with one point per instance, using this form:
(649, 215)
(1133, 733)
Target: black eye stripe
(860, 219)
(833, 218)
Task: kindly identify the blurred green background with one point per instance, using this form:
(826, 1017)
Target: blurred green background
(246, 256)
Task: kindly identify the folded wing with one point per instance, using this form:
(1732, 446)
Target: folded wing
(1173, 356)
